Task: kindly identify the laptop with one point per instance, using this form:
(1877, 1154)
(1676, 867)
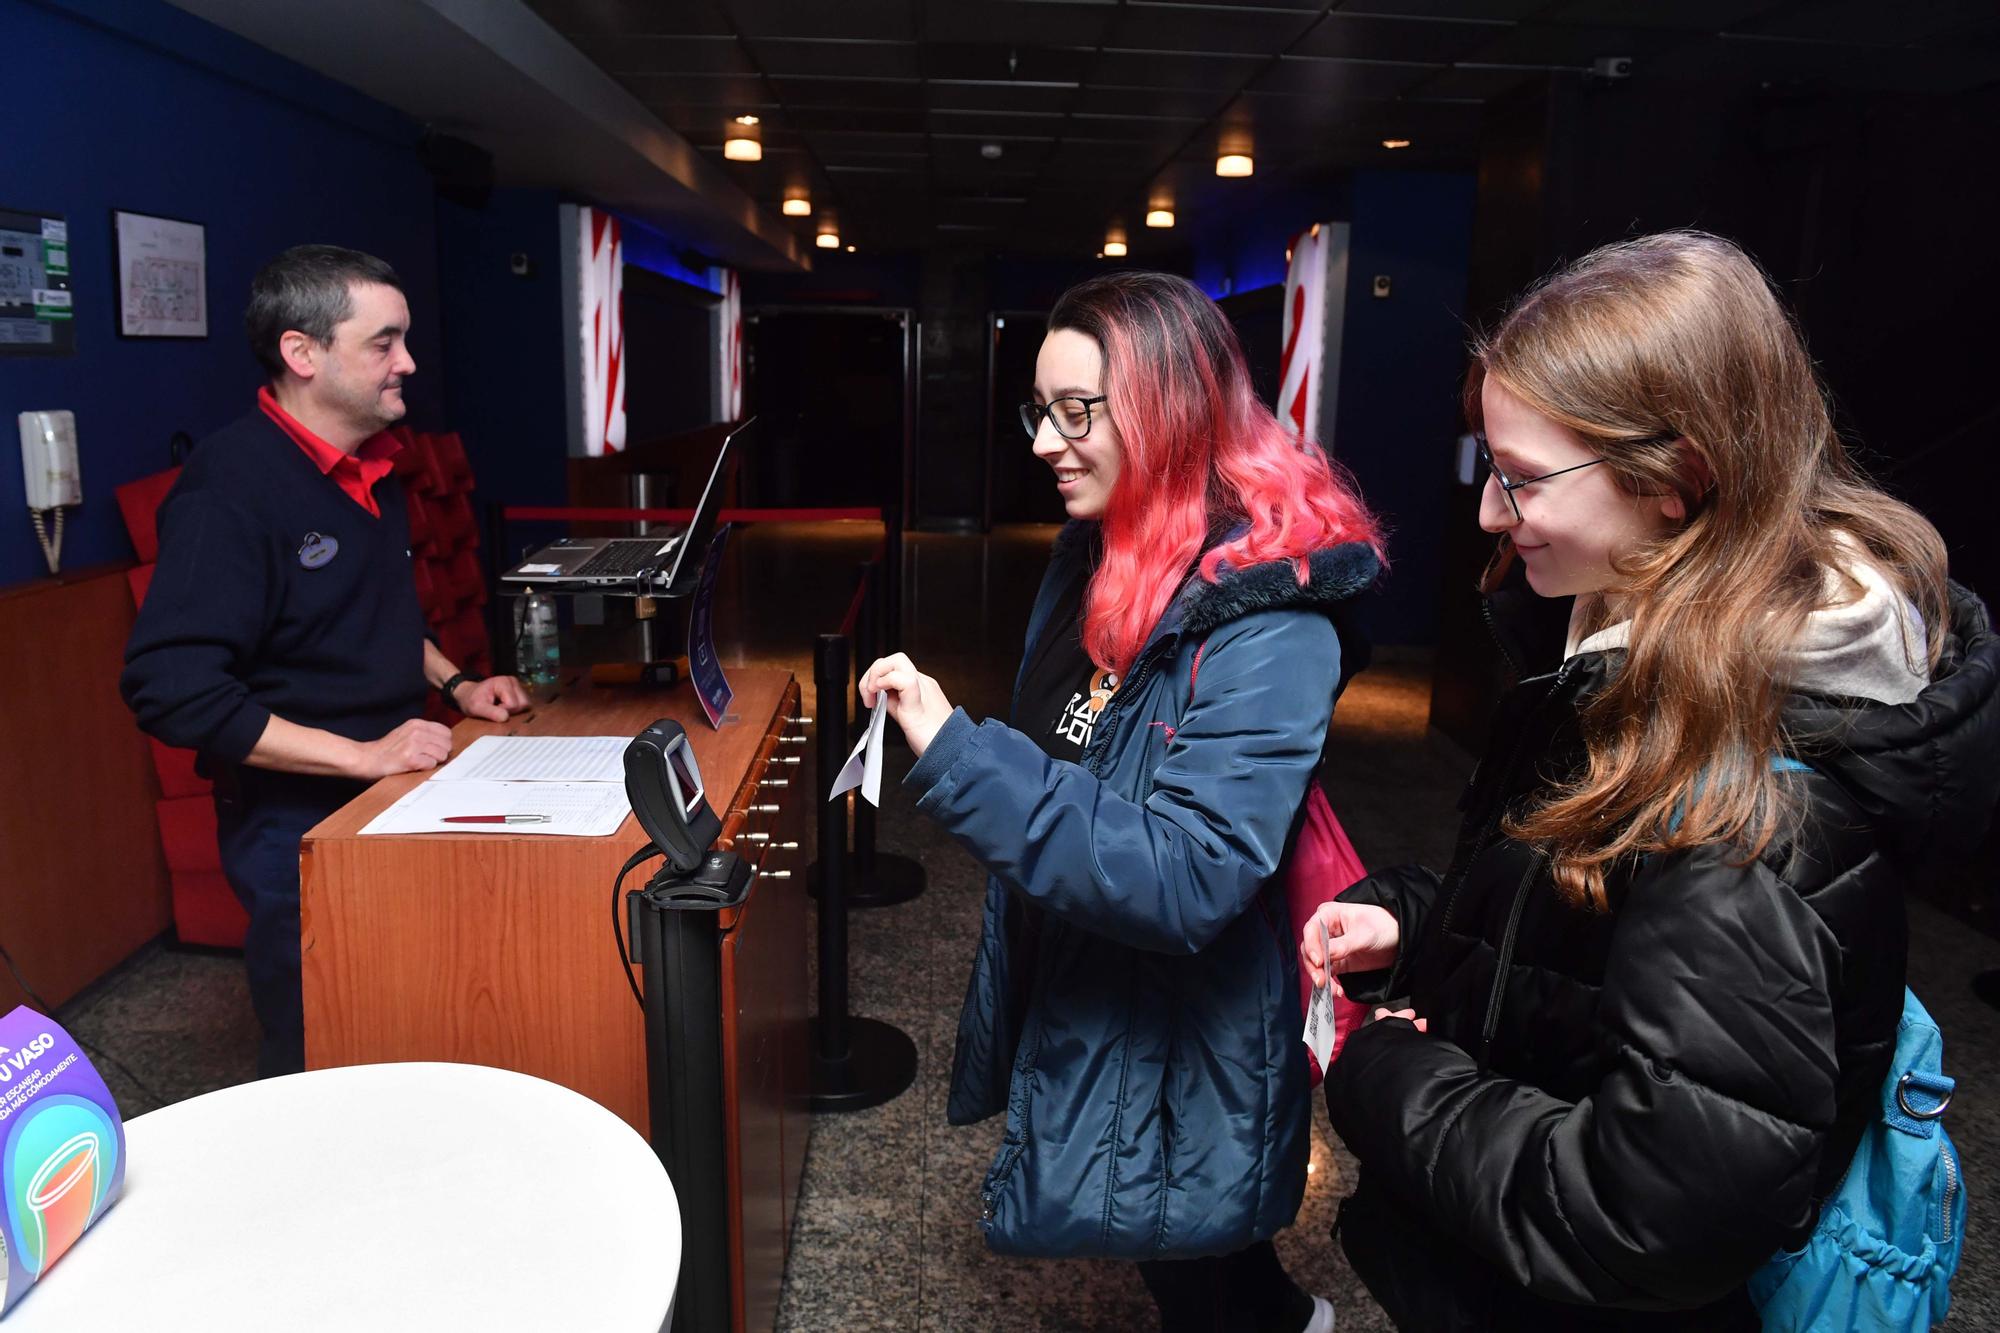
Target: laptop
(664, 563)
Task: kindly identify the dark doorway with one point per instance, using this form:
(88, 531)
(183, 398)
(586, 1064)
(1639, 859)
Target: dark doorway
(830, 389)
(1019, 487)
(669, 353)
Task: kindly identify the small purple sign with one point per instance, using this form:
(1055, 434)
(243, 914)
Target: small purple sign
(62, 1148)
(703, 666)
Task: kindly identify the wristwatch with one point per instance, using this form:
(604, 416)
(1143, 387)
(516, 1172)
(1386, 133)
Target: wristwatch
(463, 677)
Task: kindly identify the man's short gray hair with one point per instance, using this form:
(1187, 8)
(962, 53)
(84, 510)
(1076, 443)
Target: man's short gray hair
(306, 289)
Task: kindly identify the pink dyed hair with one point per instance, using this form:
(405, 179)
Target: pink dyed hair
(1200, 451)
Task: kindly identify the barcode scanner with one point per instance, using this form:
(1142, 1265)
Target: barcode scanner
(663, 782)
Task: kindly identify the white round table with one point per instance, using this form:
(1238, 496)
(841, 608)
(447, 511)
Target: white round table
(380, 1197)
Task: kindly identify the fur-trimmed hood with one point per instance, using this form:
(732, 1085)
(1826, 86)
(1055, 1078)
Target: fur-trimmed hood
(1336, 574)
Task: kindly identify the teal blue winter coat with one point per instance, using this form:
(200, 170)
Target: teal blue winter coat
(1134, 1003)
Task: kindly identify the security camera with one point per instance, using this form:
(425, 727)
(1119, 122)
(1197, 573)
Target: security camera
(519, 264)
(1612, 67)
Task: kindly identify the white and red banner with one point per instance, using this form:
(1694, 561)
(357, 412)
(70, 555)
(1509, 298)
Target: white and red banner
(1315, 304)
(729, 358)
(594, 333)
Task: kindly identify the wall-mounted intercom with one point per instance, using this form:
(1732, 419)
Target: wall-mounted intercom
(50, 475)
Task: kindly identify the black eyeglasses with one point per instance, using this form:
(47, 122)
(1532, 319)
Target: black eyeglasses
(1070, 416)
(1507, 488)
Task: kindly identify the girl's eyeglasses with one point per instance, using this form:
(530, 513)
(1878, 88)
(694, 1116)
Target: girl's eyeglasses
(1070, 416)
(1508, 487)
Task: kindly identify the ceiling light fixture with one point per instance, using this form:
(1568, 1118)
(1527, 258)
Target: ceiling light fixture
(1395, 143)
(743, 144)
(1160, 217)
(827, 240)
(1114, 240)
(1235, 164)
(798, 204)
(850, 249)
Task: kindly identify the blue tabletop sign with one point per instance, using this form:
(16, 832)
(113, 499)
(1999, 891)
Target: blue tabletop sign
(703, 665)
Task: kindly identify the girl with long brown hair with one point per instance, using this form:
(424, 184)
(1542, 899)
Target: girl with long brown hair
(1651, 1004)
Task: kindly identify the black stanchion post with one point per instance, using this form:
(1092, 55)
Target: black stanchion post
(830, 871)
(873, 879)
(857, 1062)
(892, 577)
(867, 647)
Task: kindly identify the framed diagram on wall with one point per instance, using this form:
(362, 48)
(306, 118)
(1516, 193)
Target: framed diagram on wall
(162, 276)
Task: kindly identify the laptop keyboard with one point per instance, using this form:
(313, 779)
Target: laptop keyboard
(619, 559)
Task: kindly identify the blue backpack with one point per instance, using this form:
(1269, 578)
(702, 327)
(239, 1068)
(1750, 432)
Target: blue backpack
(1888, 1238)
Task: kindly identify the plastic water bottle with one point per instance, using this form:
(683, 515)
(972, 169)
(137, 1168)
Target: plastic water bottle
(537, 651)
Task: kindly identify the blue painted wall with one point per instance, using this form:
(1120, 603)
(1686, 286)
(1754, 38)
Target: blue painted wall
(151, 110)
(502, 364)
(1402, 361)
(1402, 358)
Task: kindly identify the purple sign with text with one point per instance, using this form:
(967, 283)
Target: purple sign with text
(62, 1148)
(709, 683)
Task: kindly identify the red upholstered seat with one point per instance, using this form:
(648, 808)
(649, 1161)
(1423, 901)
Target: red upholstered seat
(468, 580)
(423, 529)
(176, 770)
(450, 451)
(206, 910)
(139, 504)
(187, 833)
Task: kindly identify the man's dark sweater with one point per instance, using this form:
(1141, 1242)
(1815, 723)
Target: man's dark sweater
(275, 594)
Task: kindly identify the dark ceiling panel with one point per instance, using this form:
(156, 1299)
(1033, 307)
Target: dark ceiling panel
(1100, 100)
(1451, 10)
(995, 125)
(620, 55)
(1871, 22)
(1209, 28)
(1348, 79)
(1373, 38)
(1700, 15)
(1479, 83)
(1131, 68)
(871, 94)
(734, 94)
(890, 20)
(1013, 23)
(630, 16)
(843, 59)
(967, 95)
(1574, 46)
(1024, 64)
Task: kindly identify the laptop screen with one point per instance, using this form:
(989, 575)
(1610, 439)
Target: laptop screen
(693, 548)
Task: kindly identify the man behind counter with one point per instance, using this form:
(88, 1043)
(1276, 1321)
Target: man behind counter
(281, 637)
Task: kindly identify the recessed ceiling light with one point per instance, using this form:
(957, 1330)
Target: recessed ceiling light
(850, 249)
(1395, 143)
(747, 120)
(1235, 164)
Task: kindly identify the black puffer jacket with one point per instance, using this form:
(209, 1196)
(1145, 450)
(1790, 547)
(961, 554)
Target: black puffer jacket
(1654, 1099)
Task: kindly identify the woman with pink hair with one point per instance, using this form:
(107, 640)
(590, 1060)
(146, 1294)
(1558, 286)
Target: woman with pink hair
(1133, 1006)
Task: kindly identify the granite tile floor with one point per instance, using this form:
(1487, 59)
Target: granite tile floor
(887, 1234)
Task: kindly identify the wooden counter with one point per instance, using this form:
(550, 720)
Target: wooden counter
(497, 949)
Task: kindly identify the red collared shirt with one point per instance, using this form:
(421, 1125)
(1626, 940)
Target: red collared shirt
(355, 473)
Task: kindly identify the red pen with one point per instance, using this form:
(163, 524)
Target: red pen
(495, 819)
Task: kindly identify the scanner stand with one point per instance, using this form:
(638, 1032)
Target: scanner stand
(675, 938)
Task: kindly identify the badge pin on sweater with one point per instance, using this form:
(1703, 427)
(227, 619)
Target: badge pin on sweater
(1319, 1034)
